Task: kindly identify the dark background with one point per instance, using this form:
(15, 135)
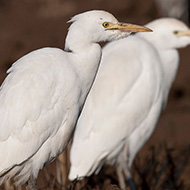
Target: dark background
(27, 25)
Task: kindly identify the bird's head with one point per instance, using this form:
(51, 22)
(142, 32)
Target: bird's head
(169, 33)
(97, 26)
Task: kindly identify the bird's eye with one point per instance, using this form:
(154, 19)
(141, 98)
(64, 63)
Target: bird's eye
(176, 32)
(105, 24)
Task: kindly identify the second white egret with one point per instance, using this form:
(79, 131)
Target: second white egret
(126, 99)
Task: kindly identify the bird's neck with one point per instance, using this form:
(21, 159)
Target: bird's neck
(86, 62)
(170, 63)
(86, 56)
(77, 39)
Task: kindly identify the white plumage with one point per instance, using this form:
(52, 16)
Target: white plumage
(126, 99)
(44, 91)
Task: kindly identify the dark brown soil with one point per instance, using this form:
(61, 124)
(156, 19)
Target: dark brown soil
(163, 161)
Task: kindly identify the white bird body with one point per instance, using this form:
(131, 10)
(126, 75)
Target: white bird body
(169, 56)
(38, 77)
(110, 104)
(41, 98)
(127, 97)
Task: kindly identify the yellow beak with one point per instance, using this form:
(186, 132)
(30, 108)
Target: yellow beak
(183, 33)
(123, 27)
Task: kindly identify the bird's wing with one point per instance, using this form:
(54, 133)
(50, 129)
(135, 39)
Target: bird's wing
(33, 104)
(118, 98)
(140, 135)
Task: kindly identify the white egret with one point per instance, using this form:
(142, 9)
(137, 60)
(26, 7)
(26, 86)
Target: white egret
(126, 99)
(44, 91)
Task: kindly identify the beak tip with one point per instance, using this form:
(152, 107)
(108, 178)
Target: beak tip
(148, 30)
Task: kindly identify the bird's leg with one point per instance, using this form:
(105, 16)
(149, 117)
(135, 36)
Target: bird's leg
(129, 177)
(8, 185)
(19, 187)
(31, 184)
(121, 178)
(61, 168)
(126, 169)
